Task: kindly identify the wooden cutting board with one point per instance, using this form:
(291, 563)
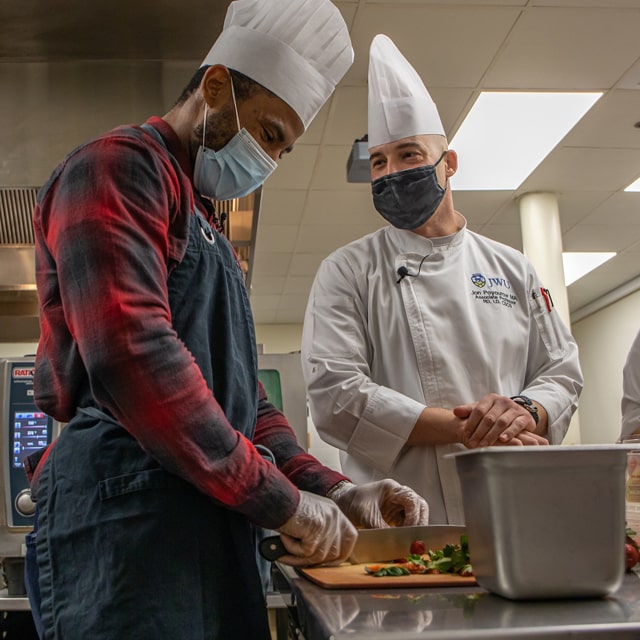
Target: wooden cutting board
(353, 576)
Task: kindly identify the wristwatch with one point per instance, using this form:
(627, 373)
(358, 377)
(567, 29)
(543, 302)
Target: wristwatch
(527, 403)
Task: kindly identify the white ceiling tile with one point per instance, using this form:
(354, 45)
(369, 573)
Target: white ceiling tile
(341, 207)
(479, 207)
(348, 115)
(347, 9)
(324, 238)
(306, 264)
(295, 169)
(609, 123)
(261, 303)
(582, 169)
(315, 131)
(274, 235)
(289, 316)
(573, 206)
(556, 48)
(293, 301)
(472, 3)
(271, 263)
(449, 46)
(265, 317)
(282, 206)
(631, 79)
(267, 285)
(298, 285)
(507, 234)
(621, 209)
(581, 4)
(453, 106)
(331, 169)
(600, 237)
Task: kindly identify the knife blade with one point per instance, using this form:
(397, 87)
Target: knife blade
(381, 545)
(391, 543)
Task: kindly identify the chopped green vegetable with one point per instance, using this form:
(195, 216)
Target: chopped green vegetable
(452, 558)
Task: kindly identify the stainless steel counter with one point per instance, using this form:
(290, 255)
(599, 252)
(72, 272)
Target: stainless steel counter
(467, 613)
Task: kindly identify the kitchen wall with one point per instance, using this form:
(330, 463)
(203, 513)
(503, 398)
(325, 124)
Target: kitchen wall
(285, 338)
(604, 339)
(17, 349)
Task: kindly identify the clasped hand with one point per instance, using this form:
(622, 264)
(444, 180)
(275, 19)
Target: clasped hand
(497, 420)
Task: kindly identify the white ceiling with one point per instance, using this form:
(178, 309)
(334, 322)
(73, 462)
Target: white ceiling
(459, 47)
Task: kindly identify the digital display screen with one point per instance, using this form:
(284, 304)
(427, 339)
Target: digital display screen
(30, 433)
(270, 379)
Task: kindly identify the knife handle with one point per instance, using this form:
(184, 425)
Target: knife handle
(272, 548)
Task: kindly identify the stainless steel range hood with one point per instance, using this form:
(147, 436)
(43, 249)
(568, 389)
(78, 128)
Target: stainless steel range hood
(18, 297)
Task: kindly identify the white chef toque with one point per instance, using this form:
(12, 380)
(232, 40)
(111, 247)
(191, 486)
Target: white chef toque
(399, 104)
(298, 49)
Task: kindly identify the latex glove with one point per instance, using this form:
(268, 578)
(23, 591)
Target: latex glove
(317, 533)
(380, 504)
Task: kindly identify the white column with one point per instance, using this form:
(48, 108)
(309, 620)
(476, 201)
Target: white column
(542, 244)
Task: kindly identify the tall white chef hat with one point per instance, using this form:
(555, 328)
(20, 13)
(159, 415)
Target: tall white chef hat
(298, 49)
(399, 104)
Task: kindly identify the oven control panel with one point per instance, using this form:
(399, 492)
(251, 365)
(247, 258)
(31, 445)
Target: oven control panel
(24, 430)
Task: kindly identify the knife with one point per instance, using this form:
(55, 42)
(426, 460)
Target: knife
(381, 545)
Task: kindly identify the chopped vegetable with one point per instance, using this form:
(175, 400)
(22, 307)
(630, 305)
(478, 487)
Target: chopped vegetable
(418, 547)
(378, 571)
(453, 558)
(631, 550)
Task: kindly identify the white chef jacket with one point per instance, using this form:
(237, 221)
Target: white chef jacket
(631, 390)
(470, 319)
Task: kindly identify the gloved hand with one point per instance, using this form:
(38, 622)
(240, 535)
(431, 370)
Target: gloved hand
(380, 504)
(317, 533)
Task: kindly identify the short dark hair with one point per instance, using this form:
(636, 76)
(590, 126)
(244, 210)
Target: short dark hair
(243, 86)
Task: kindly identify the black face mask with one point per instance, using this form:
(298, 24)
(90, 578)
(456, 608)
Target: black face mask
(408, 198)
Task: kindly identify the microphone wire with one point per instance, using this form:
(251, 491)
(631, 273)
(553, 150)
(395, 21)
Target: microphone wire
(403, 272)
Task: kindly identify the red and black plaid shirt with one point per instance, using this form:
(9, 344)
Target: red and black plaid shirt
(110, 224)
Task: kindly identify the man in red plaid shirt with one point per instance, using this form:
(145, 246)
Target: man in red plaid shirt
(148, 500)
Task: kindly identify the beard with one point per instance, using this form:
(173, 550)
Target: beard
(221, 127)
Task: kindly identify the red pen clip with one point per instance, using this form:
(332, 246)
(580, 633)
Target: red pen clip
(547, 298)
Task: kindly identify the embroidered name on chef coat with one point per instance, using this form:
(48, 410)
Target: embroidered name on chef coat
(492, 290)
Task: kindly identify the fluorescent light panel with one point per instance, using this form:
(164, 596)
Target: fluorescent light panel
(507, 134)
(634, 186)
(578, 264)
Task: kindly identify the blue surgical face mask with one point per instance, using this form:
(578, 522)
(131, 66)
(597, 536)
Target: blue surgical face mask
(234, 171)
(408, 198)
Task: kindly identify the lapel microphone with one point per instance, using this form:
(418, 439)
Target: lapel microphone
(403, 272)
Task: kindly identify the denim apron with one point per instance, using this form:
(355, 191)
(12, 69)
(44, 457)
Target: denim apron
(129, 551)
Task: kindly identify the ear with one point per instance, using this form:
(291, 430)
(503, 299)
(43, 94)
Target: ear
(450, 163)
(216, 86)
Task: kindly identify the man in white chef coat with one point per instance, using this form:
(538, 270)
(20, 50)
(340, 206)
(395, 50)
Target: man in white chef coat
(630, 404)
(424, 338)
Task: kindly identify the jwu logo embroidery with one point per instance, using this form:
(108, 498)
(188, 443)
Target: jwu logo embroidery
(492, 290)
(480, 281)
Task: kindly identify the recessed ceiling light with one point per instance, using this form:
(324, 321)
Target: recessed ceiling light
(634, 186)
(506, 135)
(579, 263)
